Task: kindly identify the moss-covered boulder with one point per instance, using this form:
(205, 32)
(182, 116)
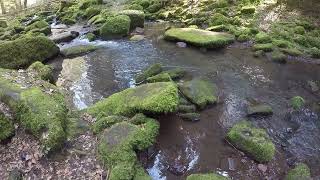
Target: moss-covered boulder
(43, 71)
(90, 37)
(23, 52)
(210, 176)
(78, 50)
(91, 11)
(115, 27)
(199, 38)
(254, 141)
(262, 38)
(268, 47)
(41, 26)
(300, 172)
(159, 97)
(6, 127)
(218, 19)
(176, 73)
(149, 72)
(259, 110)
(44, 115)
(163, 77)
(118, 144)
(136, 17)
(297, 102)
(106, 122)
(199, 92)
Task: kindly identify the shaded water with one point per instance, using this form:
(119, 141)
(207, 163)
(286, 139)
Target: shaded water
(183, 147)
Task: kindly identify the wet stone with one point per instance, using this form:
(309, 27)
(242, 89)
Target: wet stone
(181, 44)
(260, 110)
(64, 37)
(187, 108)
(193, 117)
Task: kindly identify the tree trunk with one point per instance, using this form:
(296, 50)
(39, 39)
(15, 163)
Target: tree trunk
(25, 2)
(3, 9)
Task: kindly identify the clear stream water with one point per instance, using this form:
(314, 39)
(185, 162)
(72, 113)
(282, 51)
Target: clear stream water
(182, 147)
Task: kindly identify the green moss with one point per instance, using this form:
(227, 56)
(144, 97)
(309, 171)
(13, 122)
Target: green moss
(149, 72)
(118, 145)
(6, 127)
(262, 37)
(278, 56)
(315, 52)
(300, 172)
(155, 7)
(299, 30)
(248, 10)
(218, 28)
(176, 73)
(91, 37)
(135, 7)
(23, 52)
(243, 38)
(91, 11)
(98, 19)
(218, 19)
(259, 53)
(159, 97)
(297, 102)
(263, 47)
(78, 50)
(106, 122)
(43, 71)
(84, 4)
(136, 17)
(186, 108)
(210, 176)
(252, 140)
(259, 110)
(42, 25)
(193, 117)
(115, 27)
(292, 51)
(68, 21)
(199, 92)
(141, 174)
(44, 116)
(163, 77)
(281, 43)
(199, 38)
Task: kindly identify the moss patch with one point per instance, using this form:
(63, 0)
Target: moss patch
(259, 110)
(163, 77)
(115, 27)
(300, 172)
(199, 38)
(23, 52)
(43, 71)
(176, 73)
(159, 97)
(78, 50)
(149, 72)
(252, 140)
(199, 92)
(278, 56)
(210, 176)
(263, 47)
(297, 102)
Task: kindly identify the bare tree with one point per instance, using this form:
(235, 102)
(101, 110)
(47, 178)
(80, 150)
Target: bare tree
(3, 9)
(25, 2)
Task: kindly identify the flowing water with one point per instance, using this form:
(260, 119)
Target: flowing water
(182, 147)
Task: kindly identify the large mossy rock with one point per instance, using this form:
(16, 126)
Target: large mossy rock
(199, 92)
(210, 176)
(44, 115)
(199, 38)
(300, 172)
(78, 50)
(118, 144)
(23, 52)
(115, 27)
(106, 122)
(136, 17)
(254, 141)
(41, 26)
(149, 72)
(6, 127)
(159, 97)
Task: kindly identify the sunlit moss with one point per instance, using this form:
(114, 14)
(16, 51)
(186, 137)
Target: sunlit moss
(300, 172)
(149, 72)
(115, 27)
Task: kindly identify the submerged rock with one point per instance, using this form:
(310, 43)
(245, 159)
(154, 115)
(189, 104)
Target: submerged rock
(64, 37)
(190, 116)
(258, 110)
(78, 50)
(6, 127)
(149, 72)
(199, 38)
(210, 176)
(23, 52)
(136, 17)
(255, 142)
(115, 27)
(300, 172)
(161, 97)
(199, 92)
(137, 38)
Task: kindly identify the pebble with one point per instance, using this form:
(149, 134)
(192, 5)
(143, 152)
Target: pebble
(182, 44)
(263, 168)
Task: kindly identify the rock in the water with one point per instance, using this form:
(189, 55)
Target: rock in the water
(257, 110)
(199, 38)
(297, 102)
(161, 97)
(187, 108)
(6, 127)
(136, 17)
(23, 52)
(15, 174)
(115, 27)
(190, 117)
(91, 37)
(199, 92)
(176, 73)
(149, 72)
(163, 77)
(181, 44)
(64, 37)
(255, 142)
(300, 172)
(137, 38)
(210, 176)
(78, 50)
